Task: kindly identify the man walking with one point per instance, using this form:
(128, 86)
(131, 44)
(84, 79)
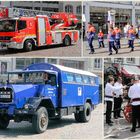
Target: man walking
(111, 39)
(91, 35)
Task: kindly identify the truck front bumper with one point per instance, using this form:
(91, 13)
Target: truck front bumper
(13, 45)
(14, 112)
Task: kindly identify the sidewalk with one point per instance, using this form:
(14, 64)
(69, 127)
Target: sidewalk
(120, 129)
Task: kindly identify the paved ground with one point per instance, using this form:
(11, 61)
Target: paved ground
(120, 130)
(67, 128)
(47, 51)
(103, 52)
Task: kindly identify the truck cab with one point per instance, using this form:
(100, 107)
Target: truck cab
(14, 32)
(20, 97)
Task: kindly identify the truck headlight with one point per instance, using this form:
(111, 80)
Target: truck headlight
(26, 106)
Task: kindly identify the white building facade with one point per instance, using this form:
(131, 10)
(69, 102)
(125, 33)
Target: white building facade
(97, 13)
(93, 65)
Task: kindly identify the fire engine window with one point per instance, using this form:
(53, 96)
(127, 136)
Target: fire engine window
(21, 24)
(7, 25)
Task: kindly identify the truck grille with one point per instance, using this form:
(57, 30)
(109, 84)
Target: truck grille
(6, 94)
(7, 38)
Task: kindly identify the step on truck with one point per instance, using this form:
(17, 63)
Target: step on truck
(43, 92)
(23, 29)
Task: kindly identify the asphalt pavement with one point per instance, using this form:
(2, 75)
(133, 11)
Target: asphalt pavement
(104, 52)
(67, 128)
(120, 129)
(46, 51)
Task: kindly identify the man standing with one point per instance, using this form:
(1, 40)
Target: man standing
(109, 90)
(118, 99)
(91, 35)
(134, 95)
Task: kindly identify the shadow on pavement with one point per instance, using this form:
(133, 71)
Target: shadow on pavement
(15, 51)
(120, 130)
(25, 128)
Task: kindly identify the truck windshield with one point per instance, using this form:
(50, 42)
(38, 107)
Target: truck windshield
(7, 25)
(34, 78)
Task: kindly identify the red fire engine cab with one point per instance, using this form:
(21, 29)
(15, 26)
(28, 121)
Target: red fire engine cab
(24, 32)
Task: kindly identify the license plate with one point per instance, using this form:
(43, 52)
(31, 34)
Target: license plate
(5, 96)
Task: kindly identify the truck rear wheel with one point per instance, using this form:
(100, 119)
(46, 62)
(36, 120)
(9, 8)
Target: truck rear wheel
(4, 122)
(28, 45)
(77, 117)
(85, 115)
(67, 41)
(40, 120)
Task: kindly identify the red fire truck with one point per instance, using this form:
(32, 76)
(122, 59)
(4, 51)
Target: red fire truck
(20, 31)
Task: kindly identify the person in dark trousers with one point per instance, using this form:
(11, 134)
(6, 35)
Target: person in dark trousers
(84, 32)
(131, 38)
(118, 37)
(111, 39)
(109, 93)
(91, 35)
(101, 39)
(134, 95)
(118, 99)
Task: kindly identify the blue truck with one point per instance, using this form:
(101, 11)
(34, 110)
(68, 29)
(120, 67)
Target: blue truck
(43, 92)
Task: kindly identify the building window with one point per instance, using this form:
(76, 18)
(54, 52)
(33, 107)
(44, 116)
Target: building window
(84, 9)
(98, 63)
(72, 64)
(78, 9)
(69, 8)
(130, 60)
(52, 61)
(22, 63)
(3, 67)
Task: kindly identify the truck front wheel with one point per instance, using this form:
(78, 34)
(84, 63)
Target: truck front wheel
(67, 41)
(40, 120)
(4, 122)
(85, 115)
(28, 45)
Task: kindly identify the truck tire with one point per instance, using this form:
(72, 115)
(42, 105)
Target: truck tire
(67, 41)
(77, 117)
(28, 45)
(40, 120)
(85, 115)
(4, 122)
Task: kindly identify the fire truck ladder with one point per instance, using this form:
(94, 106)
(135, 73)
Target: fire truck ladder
(18, 12)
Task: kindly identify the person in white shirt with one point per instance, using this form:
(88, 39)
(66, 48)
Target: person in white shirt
(118, 99)
(134, 95)
(109, 93)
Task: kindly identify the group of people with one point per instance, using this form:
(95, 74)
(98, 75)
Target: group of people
(114, 99)
(114, 36)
